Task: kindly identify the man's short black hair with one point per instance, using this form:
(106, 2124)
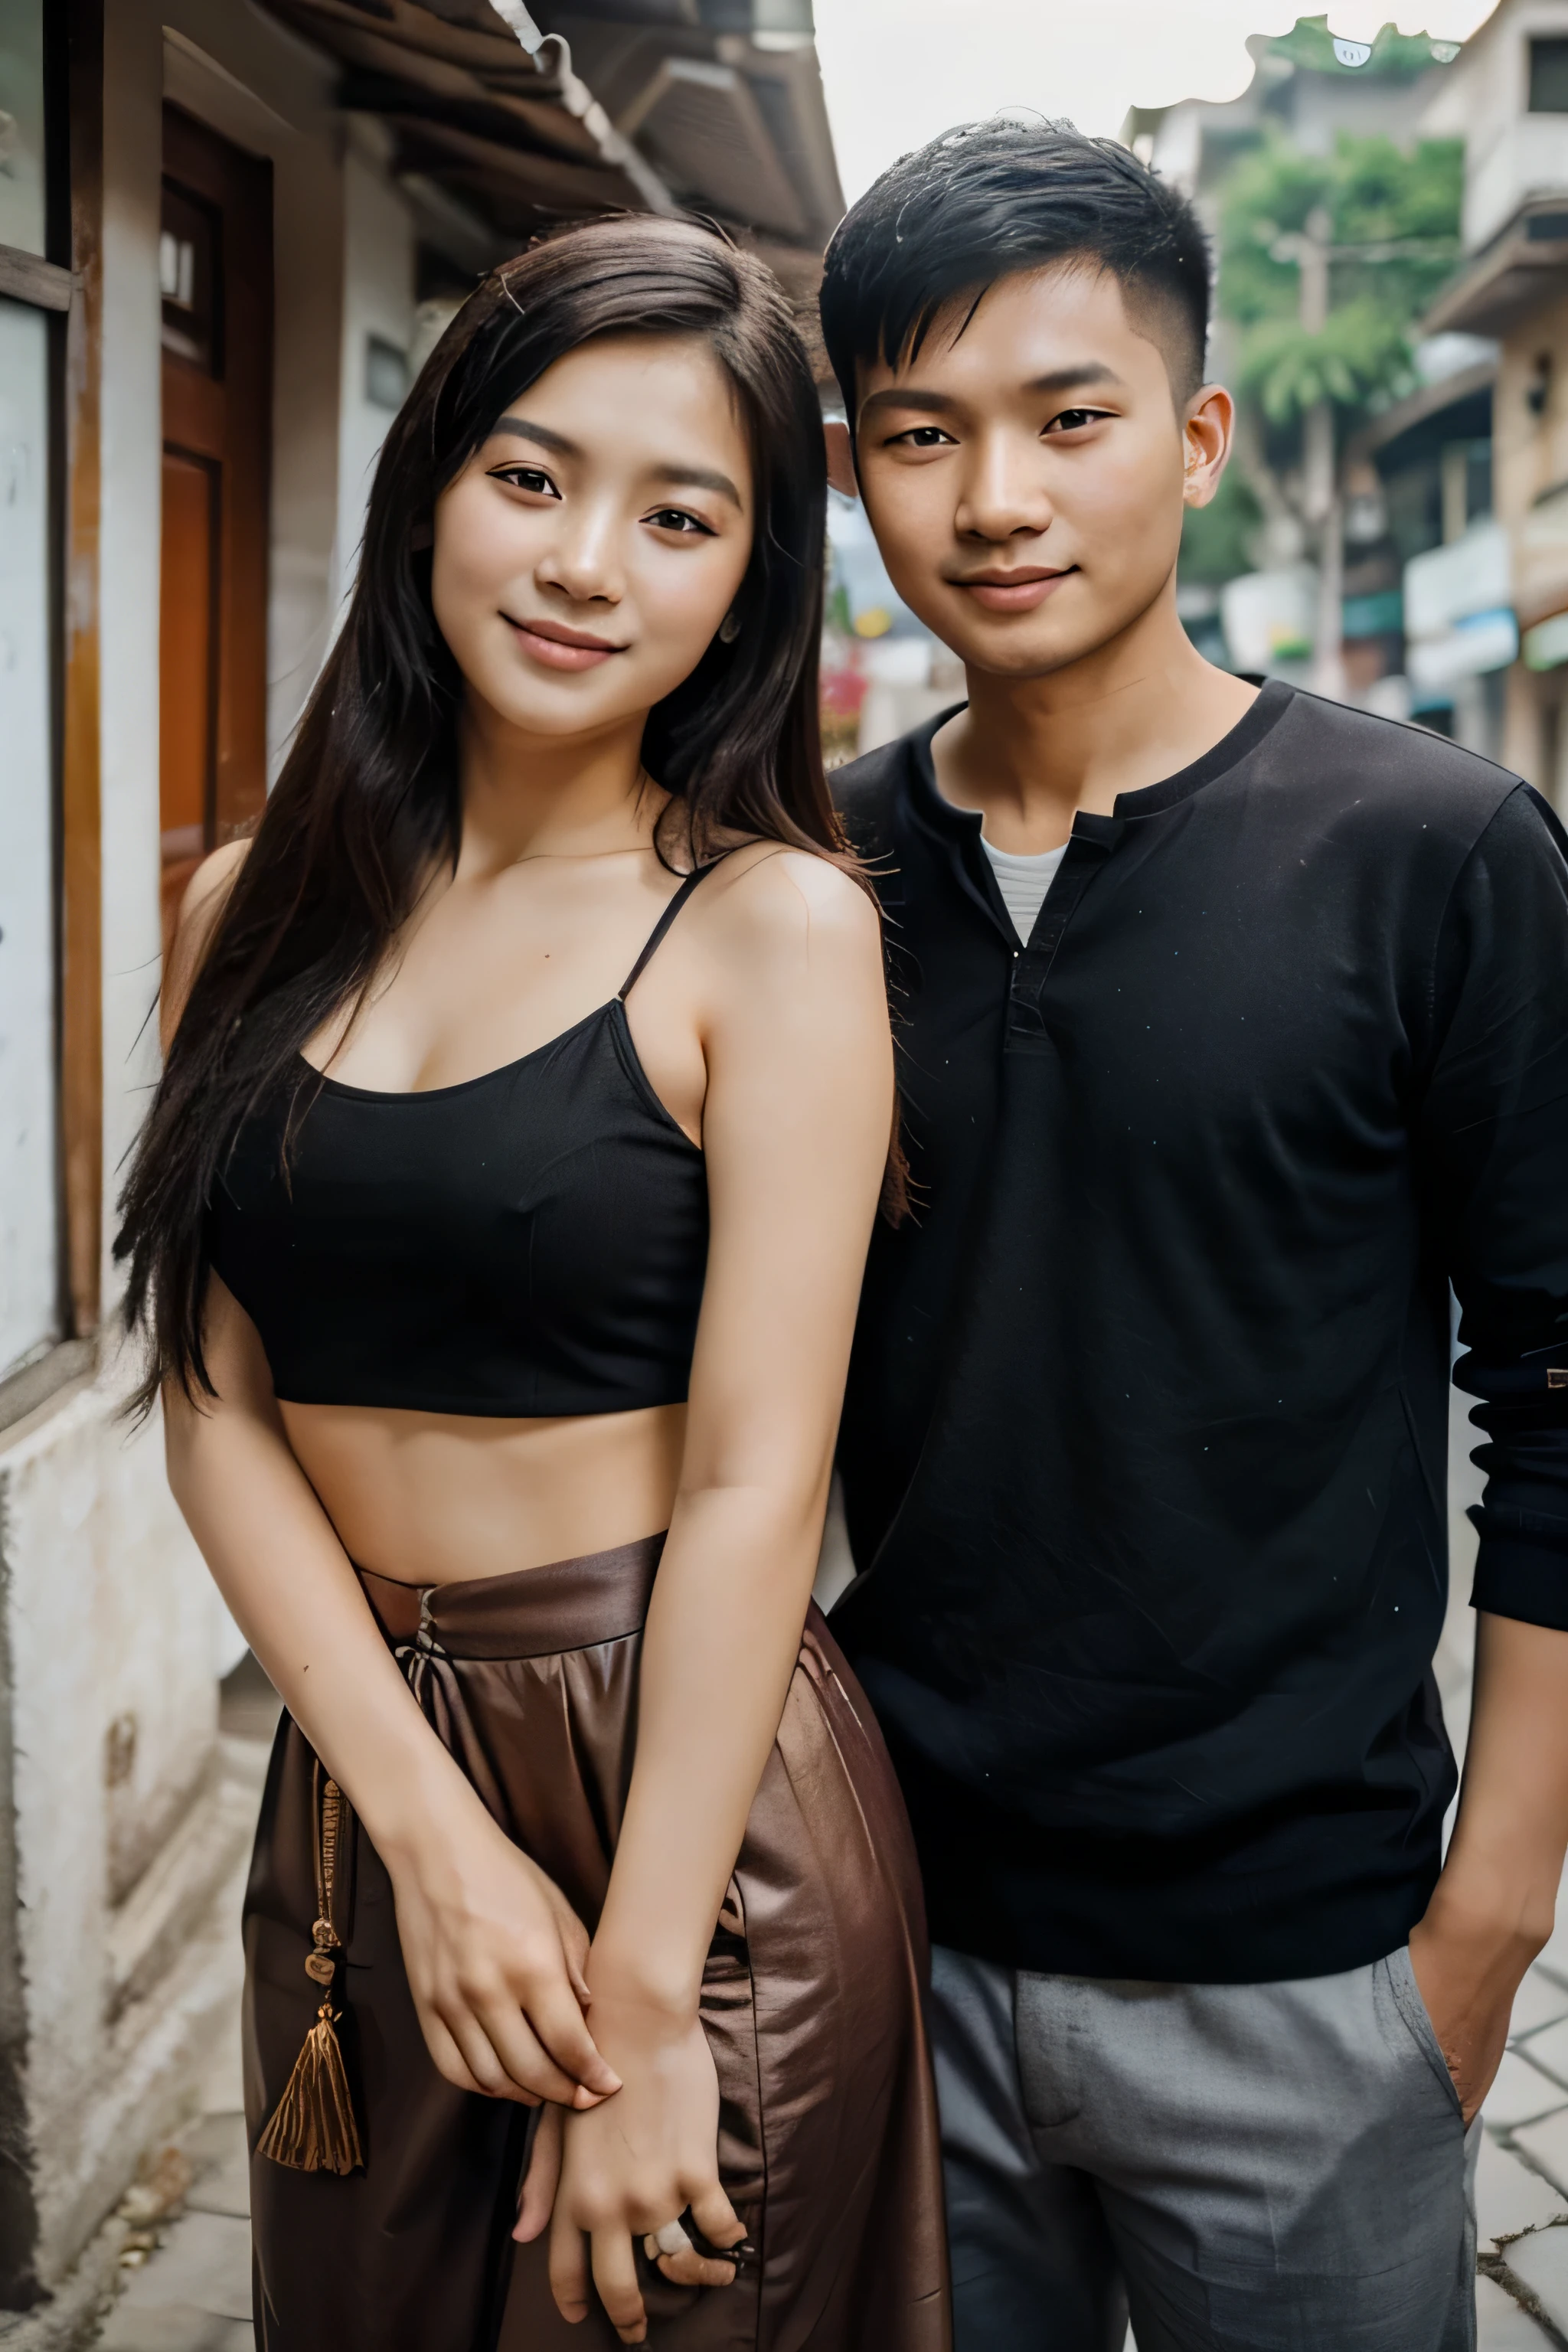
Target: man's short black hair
(992, 198)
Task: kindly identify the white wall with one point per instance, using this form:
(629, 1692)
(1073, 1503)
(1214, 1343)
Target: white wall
(378, 300)
(108, 1621)
(1511, 154)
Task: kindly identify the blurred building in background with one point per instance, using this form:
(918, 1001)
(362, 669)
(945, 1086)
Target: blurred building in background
(1391, 220)
(1508, 102)
(229, 229)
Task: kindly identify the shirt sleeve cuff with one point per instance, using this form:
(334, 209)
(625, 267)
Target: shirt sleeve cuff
(1523, 1578)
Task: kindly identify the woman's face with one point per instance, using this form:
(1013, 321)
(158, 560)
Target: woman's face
(586, 555)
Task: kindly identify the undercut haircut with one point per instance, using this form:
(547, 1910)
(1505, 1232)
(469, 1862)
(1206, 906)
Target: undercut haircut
(989, 200)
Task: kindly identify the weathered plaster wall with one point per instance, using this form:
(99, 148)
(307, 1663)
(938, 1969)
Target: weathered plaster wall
(117, 1822)
(109, 1638)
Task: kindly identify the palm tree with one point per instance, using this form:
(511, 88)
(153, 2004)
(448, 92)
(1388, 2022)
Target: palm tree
(1326, 263)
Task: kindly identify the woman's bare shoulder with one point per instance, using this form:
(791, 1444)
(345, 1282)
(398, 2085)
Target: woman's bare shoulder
(206, 895)
(770, 898)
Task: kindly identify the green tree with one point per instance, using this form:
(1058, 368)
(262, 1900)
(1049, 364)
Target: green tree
(1387, 225)
(1326, 264)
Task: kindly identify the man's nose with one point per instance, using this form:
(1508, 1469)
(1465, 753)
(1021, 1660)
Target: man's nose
(1004, 491)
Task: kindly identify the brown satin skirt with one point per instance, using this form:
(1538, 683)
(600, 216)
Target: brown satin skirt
(811, 2003)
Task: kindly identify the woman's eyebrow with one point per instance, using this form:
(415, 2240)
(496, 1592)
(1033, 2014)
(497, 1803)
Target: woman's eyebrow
(698, 477)
(556, 443)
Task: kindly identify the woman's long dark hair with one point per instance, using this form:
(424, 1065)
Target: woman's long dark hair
(368, 802)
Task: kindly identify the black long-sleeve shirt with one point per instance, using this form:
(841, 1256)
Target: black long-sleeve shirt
(1144, 1445)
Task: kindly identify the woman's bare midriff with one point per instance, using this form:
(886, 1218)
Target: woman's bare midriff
(438, 1497)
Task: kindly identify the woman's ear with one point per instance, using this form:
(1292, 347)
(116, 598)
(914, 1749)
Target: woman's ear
(840, 458)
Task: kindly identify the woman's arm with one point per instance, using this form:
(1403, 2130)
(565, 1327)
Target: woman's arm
(494, 1952)
(796, 1130)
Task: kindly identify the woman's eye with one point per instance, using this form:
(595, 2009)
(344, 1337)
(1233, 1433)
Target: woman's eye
(527, 478)
(925, 436)
(677, 518)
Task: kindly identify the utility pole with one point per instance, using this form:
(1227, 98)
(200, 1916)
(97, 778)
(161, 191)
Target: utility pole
(1321, 473)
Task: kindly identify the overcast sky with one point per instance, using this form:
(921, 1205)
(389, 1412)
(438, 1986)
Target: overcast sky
(898, 71)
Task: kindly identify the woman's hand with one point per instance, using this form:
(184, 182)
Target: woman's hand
(495, 1956)
(634, 2165)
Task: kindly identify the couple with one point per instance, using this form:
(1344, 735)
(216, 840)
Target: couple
(500, 1229)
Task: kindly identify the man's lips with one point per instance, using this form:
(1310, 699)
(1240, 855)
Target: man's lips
(1013, 592)
(558, 648)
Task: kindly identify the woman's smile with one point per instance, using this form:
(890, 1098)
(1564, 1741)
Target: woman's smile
(558, 648)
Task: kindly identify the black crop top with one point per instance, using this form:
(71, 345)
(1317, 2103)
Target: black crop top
(527, 1243)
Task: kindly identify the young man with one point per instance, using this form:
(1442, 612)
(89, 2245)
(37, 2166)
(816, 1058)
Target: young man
(1234, 1026)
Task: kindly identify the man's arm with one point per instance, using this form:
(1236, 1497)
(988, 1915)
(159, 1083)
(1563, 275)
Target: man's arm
(1494, 1148)
(1494, 1904)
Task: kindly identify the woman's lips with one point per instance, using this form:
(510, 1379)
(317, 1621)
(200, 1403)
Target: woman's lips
(999, 595)
(559, 649)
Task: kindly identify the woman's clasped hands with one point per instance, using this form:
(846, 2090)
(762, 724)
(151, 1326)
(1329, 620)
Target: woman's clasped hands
(498, 1964)
(604, 2180)
(496, 1959)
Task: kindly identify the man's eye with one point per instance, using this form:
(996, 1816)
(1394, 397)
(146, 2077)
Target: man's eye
(1071, 419)
(527, 478)
(677, 518)
(924, 436)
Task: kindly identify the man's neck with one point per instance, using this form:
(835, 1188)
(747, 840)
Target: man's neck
(1029, 752)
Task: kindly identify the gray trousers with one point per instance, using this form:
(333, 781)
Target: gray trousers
(1275, 2168)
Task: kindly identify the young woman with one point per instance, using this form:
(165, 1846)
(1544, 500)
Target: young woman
(498, 1228)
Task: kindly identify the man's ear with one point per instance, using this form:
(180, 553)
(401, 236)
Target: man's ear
(840, 458)
(1207, 437)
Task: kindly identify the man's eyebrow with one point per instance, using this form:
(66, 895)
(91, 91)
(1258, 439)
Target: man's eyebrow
(555, 442)
(930, 404)
(1068, 379)
(699, 477)
(937, 403)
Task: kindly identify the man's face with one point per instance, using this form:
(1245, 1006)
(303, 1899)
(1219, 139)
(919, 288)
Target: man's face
(1027, 479)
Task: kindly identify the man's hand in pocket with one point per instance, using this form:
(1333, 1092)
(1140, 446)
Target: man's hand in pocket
(1467, 1971)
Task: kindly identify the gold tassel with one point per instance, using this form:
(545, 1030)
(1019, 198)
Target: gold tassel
(313, 2127)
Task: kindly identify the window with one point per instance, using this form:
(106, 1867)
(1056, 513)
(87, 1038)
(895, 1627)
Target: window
(188, 238)
(1549, 77)
(30, 1299)
(29, 1204)
(23, 219)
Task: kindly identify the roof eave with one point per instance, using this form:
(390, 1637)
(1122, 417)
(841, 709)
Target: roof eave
(1509, 278)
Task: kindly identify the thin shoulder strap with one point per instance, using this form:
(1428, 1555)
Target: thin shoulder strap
(672, 908)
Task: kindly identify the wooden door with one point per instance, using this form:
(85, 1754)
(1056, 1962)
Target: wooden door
(215, 268)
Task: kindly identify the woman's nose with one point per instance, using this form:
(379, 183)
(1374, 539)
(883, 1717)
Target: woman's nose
(583, 559)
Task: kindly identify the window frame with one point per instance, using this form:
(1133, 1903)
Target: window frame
(67, 285)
